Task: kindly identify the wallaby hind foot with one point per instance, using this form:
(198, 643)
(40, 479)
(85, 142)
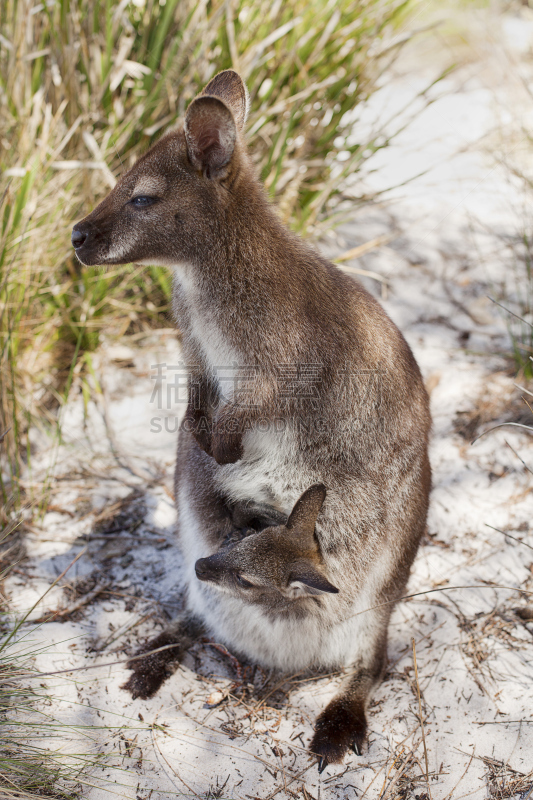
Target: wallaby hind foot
(148, 674)
(342, 726)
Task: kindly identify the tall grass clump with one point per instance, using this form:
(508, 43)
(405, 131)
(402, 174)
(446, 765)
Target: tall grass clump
(86, 86)
(521, 325)
(516, 304)
(28, 768)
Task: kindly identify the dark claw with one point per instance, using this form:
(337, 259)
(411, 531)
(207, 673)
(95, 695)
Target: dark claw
(322, 764)
(356, 748)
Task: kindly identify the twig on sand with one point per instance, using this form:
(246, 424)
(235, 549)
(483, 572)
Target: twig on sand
(120, 457)
(158, 752)
(509, 535)
(54, 583)
(519, 457)
(66, 612)
(421, 718)
(401, 769)
(503, 425)
(288, 783)
(448, 796)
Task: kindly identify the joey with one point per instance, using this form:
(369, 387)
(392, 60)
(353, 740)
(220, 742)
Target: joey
(279, 564)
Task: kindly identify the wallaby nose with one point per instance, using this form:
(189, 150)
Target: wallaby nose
(201, 569)
(78, 238)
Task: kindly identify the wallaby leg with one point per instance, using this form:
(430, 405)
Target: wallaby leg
(149, 673)
(342, 725)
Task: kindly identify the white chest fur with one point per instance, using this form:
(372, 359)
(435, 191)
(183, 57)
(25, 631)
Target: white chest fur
(222, 359)
(270, 470)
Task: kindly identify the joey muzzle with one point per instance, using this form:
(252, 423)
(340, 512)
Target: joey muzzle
(205, 569)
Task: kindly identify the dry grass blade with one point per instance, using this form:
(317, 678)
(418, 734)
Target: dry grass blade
(505, 533)
(363, 249)
(421, 717)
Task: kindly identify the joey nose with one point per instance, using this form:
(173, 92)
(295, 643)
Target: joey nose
(78, 238)
(201, 569)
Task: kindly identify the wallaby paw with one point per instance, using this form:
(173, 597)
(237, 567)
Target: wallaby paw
(144, 685)
(227, 448)
(336, 732)
(198, 425)
(149, 673)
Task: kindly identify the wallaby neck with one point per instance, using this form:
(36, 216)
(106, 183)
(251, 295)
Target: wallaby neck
(251, 293)
(249, 249)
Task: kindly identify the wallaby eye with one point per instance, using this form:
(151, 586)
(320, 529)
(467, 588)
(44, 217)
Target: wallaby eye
(142, 201)
(243, 582)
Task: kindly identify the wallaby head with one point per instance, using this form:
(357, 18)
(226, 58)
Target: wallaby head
(282, 560)
(173, 199)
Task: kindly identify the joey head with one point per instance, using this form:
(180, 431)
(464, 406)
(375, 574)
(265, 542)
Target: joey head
(276, 566)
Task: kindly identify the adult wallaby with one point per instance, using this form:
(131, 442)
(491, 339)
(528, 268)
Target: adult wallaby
(297, 377)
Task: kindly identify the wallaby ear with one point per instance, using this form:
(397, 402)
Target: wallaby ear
(230, 87)
(310, 580)
(304, 514)
(210, 133)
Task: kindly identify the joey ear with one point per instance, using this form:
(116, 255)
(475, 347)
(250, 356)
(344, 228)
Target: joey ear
(310, 580)
(210, 133)
(230, 87)
(304, 514)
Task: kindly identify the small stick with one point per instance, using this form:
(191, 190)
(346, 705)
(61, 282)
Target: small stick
(502, 425)
(528, 795)
(406, 763)
(235, 661)
(362, 249)
(65, 612)
(4, 434)
(519, 457)
(514, 538)
(421, 718)
(56, 581)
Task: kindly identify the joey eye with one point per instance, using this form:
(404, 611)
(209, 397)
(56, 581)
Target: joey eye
(142, 201)
(243, 583)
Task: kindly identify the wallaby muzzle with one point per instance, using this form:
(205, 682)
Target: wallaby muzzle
(206, 569)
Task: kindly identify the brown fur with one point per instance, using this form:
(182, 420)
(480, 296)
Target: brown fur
(248, 291)
(149, 673)
(280, 568)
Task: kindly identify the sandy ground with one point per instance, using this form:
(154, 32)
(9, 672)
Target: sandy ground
(111, 500)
